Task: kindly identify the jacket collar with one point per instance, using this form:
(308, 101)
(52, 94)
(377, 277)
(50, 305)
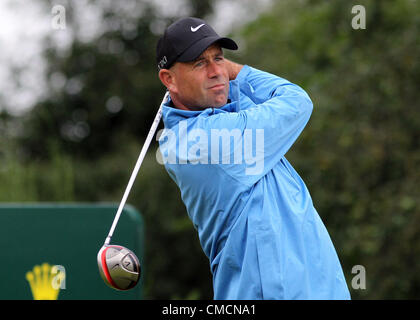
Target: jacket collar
(171, 116)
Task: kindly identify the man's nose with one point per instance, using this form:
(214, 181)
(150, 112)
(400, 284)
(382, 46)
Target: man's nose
(213, 70)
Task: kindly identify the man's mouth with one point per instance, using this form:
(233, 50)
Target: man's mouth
(217, 86)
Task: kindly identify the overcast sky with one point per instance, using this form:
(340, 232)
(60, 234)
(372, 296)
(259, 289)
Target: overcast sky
(24, 23)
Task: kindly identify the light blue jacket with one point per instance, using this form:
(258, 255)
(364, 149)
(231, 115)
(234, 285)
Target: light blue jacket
(253, 213)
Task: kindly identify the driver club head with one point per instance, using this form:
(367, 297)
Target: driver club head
(119, 267)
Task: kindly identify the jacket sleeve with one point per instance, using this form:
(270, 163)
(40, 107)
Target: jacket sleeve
(273, 111)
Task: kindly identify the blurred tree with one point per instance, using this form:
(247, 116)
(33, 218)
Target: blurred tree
(102, 89)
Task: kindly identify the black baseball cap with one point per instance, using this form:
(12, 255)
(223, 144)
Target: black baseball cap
(185, 39)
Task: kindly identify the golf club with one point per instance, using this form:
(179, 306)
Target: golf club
(118, 266)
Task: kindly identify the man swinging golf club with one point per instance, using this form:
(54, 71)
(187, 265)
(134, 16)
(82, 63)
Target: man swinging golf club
(227, 130)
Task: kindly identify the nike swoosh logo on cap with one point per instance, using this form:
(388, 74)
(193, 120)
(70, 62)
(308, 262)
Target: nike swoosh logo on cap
(196, 28)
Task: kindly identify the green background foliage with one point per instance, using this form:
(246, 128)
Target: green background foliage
(359, 154)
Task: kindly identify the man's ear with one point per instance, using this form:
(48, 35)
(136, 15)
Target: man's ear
(167, 77)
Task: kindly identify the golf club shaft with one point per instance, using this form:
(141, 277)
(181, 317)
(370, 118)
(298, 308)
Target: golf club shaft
(137, 168)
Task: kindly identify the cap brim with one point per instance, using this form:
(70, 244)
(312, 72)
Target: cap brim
(200, 46)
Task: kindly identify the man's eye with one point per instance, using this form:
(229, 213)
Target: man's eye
(199, 64)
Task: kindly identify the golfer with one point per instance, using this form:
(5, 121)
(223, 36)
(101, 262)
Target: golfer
(227, 130)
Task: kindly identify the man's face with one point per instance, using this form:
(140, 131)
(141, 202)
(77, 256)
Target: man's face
(201, 83)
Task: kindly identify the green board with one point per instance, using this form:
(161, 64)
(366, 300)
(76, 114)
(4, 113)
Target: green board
(67, 236)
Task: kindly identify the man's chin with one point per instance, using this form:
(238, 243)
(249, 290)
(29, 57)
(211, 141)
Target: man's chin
(220, 102)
